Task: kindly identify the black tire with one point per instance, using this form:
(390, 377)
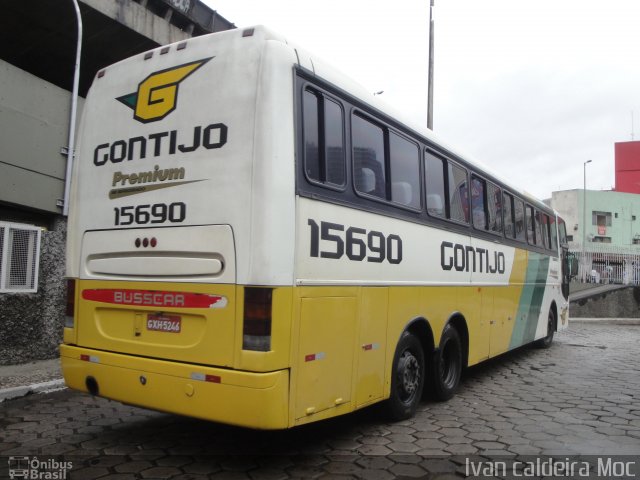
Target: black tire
(407, 378)
(551, 328)
(446, 366)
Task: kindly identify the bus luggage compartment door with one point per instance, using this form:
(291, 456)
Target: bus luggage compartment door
(325, 355)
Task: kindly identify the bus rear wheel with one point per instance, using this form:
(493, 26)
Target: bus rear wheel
(446, 365)
(407, 378)
(551, 328)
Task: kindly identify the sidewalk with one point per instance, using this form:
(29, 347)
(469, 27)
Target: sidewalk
(32, 377)
(592, 289)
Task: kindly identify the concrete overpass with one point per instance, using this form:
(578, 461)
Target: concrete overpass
(39, 36)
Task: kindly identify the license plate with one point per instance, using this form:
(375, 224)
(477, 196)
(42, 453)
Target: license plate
(164, 323)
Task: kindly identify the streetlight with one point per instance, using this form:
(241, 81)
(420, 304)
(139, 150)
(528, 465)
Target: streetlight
(584, 214)
(430, 73)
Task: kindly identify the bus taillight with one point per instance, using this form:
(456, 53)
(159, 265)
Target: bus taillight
(256, 327)
(71, 303)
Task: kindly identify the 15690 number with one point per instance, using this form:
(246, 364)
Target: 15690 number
(356, 243)
(157, 213)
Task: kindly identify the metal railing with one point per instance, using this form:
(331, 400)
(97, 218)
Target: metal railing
(605, 263)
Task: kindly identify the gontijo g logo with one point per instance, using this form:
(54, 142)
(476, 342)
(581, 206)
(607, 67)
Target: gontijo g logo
(157, 94)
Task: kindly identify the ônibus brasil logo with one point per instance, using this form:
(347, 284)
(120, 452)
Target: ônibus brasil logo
(157, 95)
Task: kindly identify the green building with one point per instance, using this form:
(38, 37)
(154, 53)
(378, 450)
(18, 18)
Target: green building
(603, 229)
(599, 217)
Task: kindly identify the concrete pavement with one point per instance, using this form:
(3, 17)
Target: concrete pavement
(580, 397)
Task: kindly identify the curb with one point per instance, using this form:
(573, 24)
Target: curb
(607, 321)
(595, 292)
(44, 387)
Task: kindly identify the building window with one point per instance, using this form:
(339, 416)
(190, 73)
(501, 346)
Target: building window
(597, 239)
(602, 219)
(19, 257)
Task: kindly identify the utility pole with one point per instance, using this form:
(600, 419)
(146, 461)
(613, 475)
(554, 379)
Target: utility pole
(584, 218)
(72, 116)
(430, 88)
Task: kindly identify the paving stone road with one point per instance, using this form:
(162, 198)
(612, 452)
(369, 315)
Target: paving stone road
(582, 396)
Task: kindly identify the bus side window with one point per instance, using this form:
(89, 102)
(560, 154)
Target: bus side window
(509, 230)
(334, 143)
(519, 220)
(545, 230)
(562, 232)
(478, 203)
(494, 207)
(323, 132)
(368, 157)
(405, 171)
(434, 180)
(530, 226)
(311, 135)
(458, 191)
(554, 233)
(540, 241)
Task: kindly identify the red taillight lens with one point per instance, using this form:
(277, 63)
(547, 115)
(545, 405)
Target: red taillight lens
(256, 327)
(71, 303)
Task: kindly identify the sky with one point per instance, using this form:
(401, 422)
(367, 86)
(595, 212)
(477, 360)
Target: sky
(532, 89)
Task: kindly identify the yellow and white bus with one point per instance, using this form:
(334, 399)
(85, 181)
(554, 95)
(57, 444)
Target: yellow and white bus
(256, 240)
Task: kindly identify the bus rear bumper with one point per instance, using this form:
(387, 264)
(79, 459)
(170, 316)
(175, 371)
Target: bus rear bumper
(255, 400)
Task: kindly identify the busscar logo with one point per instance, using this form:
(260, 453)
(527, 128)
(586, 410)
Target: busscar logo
(157, 95)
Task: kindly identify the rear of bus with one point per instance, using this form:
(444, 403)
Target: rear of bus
(182, 229)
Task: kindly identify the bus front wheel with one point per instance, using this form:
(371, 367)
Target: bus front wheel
(446, 365)
(551, 328)
(407, 380)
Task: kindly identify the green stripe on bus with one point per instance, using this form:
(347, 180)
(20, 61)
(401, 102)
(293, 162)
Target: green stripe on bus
(530, 300)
